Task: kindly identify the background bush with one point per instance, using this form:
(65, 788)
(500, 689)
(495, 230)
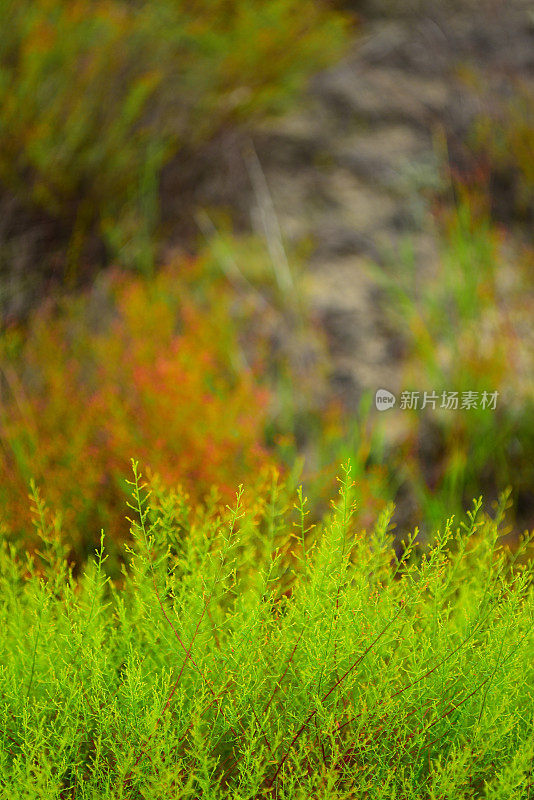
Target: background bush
(465, 326)
(96, 97)
(152, 368)
(499, 152)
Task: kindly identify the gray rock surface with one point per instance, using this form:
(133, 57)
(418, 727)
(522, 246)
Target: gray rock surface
(351, 170)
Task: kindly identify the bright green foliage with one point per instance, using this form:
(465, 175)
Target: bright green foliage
(96, 95)
(245, 656)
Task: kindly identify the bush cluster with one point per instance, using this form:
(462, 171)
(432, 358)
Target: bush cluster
(244, 655)
(96, 96)
(135, 366)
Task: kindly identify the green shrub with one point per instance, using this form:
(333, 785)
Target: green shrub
(245, 656)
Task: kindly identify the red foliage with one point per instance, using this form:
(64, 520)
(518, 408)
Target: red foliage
(134, 369)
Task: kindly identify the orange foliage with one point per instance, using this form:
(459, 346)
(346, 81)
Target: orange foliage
(133, 369)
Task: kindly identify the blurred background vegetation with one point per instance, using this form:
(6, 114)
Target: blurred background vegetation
(97, 97)
(126, 334)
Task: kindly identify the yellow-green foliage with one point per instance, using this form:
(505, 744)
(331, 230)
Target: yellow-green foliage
(216, 670)
(134, 366)
(95, 95)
